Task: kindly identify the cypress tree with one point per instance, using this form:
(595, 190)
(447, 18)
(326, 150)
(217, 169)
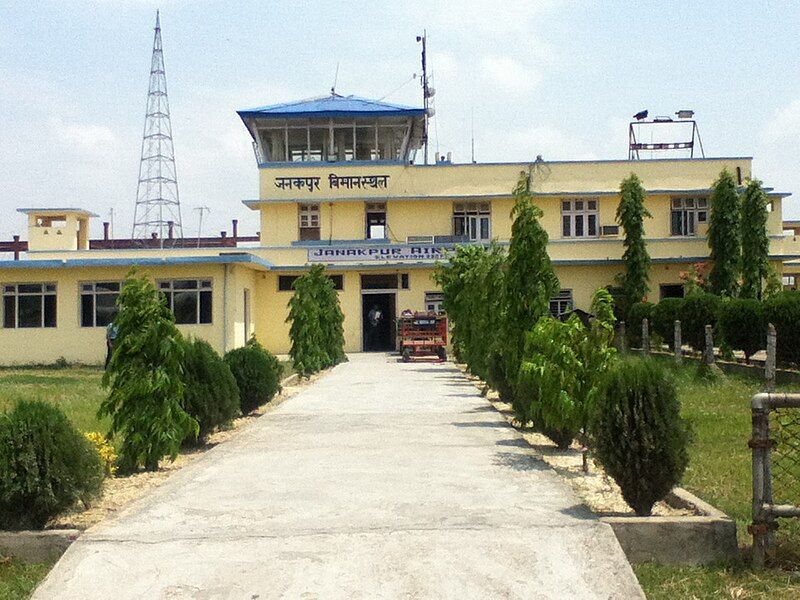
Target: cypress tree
(755, 243)
(529, 282)
(724, 236)
(630, 215)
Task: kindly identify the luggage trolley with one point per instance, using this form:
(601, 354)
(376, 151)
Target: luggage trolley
(422, 336)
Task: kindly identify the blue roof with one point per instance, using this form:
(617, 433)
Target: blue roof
(135, 261)
(331, 106)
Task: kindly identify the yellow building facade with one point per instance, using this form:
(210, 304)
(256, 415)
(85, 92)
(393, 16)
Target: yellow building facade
(337, 186)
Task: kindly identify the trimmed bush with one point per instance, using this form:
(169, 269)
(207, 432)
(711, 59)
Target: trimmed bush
(783, 311)
(46, 466)
(741, 323)
(211, 396)
(633, 323)
(640, 437)
(257, 373)
(698, 310)
(663, 318)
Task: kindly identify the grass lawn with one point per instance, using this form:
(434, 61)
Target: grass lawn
(76, 390)
(720, 472)
(17, 580)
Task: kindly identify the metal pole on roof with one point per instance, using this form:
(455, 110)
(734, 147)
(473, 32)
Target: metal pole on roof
(425, 91)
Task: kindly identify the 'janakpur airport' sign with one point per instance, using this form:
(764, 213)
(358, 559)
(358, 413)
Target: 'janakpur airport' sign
(349, 253)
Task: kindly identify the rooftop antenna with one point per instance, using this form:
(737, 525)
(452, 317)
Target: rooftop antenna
(472, 132)
(682, 134)
(157, 201)
(201, 210)
(335, 80)
(426, 93)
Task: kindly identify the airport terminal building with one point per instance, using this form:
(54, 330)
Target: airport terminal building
(338, 185)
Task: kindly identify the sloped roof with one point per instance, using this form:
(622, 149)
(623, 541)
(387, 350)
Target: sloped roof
(332, 105)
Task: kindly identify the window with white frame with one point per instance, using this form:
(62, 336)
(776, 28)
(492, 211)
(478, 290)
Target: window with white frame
(434, 302)
(99, 303)
(473, 220)
(189, 299)
(789, 281)
(561, 303)
(579, 218)
(376, 220)
(686, 214)
(29, 305)
(308, 220)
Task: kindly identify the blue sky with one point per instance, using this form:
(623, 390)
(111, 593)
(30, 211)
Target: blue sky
(559, 78)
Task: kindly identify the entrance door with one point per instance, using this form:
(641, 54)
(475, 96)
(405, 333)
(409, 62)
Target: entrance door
(378, 320)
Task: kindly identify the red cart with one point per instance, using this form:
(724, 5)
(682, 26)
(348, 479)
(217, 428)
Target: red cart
(422, 336)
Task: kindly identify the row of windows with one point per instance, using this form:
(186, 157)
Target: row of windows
(580, 218)
(34, 305)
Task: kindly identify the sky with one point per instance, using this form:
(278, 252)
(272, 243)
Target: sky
(560, 78)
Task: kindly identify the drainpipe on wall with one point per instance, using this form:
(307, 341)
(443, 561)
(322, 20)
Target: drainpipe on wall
(225, 308)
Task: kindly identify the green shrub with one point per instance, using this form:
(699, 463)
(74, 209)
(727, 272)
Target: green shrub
(663, 318)
(783, 311)
(145, 377)
(639, 436)
(633, 323)
(741, 323)
(698, 310)
(211, 396)
(257, 373)
(46, 466)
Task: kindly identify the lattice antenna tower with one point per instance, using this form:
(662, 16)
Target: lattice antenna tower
(158, 208)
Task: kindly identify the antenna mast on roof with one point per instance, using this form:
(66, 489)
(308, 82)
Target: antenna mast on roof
(426, 91)
(335, 80)
(157, 206)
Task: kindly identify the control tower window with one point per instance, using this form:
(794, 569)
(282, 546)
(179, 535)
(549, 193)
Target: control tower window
(298, 144)
(343, 143)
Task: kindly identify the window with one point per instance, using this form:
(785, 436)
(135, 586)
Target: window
(404, 281)
(29, 305)
(789, 281)
(189, 300)
(434, 302)
(99, 303)
(672, 290)
(579, 218)
(379, 282)
(308, 215)
(472, 220)
(376, 220)
(687, 213)
(286, 282)
(561, 303)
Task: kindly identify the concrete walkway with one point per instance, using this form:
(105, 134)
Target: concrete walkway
(381, 480)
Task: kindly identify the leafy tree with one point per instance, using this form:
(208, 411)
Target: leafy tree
(46, 465)
(741, 322)
(211, 396)
(698, 310)
(755, 242)
(529, 284)
(470, 281)
(640, 437)
(316, 318)
(145, 379)
(559, 378)
(630, 215)
(257, 373)
(724, 236)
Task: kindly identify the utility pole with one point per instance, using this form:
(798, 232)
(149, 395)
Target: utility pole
(201, 210)
(425, 90)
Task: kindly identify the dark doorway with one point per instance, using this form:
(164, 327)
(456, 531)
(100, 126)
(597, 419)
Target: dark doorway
(378, 320)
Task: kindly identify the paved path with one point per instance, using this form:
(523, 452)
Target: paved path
(381, 480)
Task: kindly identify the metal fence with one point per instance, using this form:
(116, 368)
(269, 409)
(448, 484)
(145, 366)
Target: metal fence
(776, 467)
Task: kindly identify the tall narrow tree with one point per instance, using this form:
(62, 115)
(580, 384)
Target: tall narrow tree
(630, 215)
(755, 242)
(724, 236)
(530, 281)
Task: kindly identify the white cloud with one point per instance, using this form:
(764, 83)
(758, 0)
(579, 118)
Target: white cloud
(775, 160)
(509, 74)
(83, 136)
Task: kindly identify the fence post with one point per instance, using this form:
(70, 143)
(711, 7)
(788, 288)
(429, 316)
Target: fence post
(763, 526)
(622, 340)
(708, 356)
(677, 344)
(769, 364)
(645, 337)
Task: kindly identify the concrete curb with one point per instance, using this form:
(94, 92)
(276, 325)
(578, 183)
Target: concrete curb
(37, 546)
(708, 537)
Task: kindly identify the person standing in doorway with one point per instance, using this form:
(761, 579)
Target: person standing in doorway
(374, 319)
(112, 331)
